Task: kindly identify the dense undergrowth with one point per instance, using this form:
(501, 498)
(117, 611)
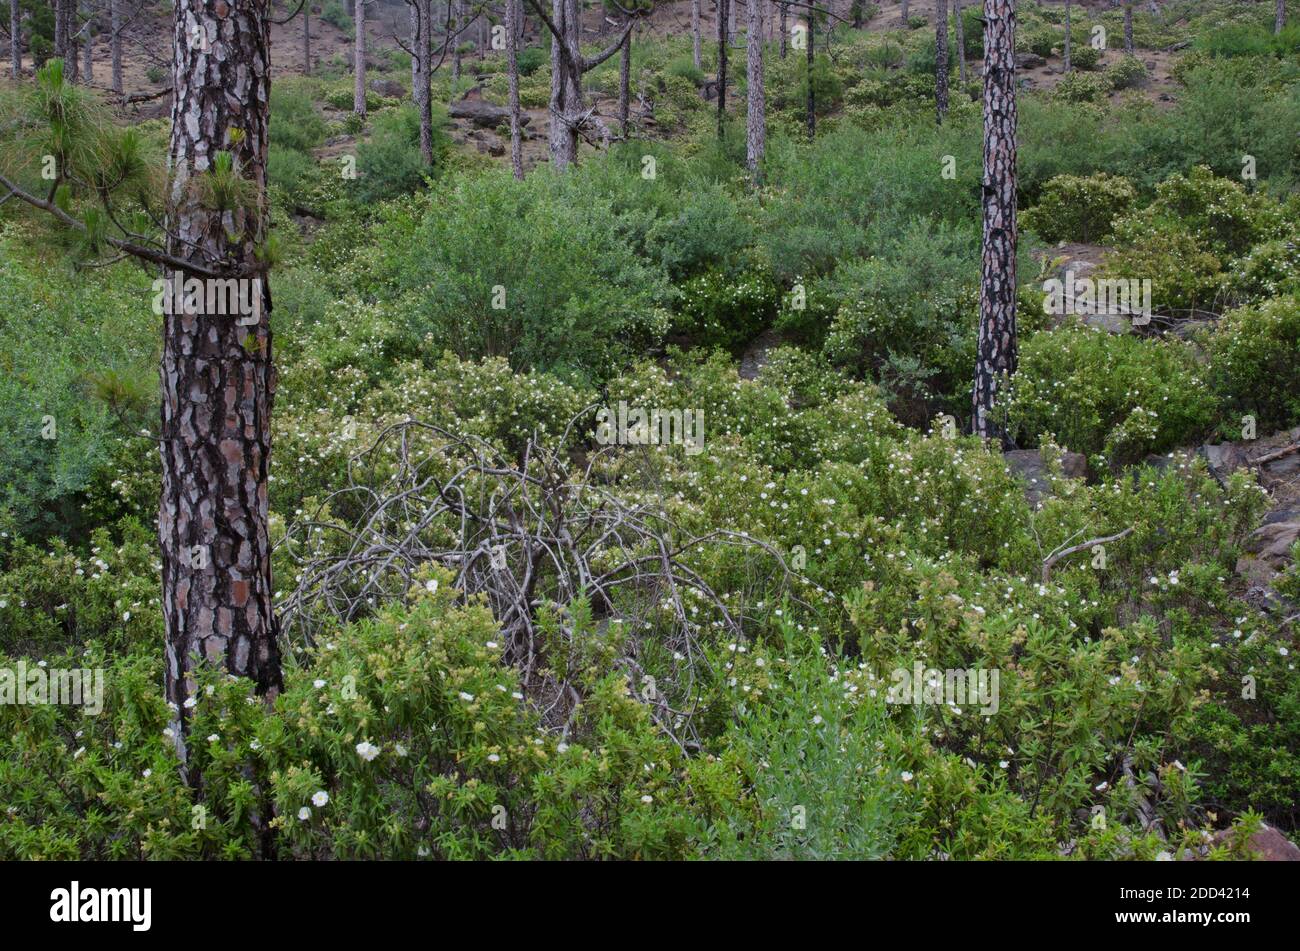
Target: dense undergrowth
(1138, 680)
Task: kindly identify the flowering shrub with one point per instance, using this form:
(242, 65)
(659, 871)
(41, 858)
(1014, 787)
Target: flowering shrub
(1074, 208)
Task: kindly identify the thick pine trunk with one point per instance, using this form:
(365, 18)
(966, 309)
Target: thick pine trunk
(566, 89)
(722, 65)
(514, 12)
(961, 42)
(695, 32)
(359, 61)
(756, 111)
(940, 60)
(217, 376)
(996, 352)
(15, 40)
(115, 43)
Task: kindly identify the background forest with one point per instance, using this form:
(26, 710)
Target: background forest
(500, 636)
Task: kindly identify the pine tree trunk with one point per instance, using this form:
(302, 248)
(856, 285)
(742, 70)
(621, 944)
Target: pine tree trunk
(731, 22)
(756, 111)
(722, 65)
(217, 376)
(306, 38)
(88, 52)
(359, 61)
(1067, 36)
(902, 11)
(624, 84)
(812, 92)
(996, 352)
(60, 29)
(422, 66)
(115, 43)
(1279, 17)
(457, 14)
(15, 40)
(72, 61)
(566, 89)
(961, 42)
(695, 32)
(1128, 26)
(785, 24)
(940, 60)
(513, 16)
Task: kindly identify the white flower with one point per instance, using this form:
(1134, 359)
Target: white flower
(367, 750)
(320, 798)
(212, 737)
(191, 703)
(400, 750)
(467, 697)
(494, 758)
(304, 814)
(431, 585)
(817, 719)
(907, 777)
(318, 683)
(147, 773)
(255, 745)
(1003, 763)
(80, 750)
(647, 799)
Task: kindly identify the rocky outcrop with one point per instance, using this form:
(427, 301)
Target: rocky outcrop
(1030, 466)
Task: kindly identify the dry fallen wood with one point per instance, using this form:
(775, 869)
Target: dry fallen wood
(1050, 561)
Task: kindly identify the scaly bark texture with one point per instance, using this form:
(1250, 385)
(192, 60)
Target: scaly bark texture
(566, 88)
(1128, 26)
(940, 60)
(359, 61)
(785, 29)
(695, 32)
(624, 84)
(996, 352)
(217, 376)
(514, 16)
(15, 40)
(756, 111)
(457, 14)
(722, 65)
(422, 72)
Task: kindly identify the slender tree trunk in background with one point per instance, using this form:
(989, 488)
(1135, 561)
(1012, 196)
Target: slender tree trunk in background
(15, 40)
(961, 42)
(422, 44)
(624, 83)
(902, 11)
(940, 60)
(1128, 26)
(457, 14)
(756, 111)
(1279, 17)
(514, 12)
(481, 43)
(812, 94)
(785, 24)
(88, 57)
(996, 352)
(722, 64)
(115, 42)
(359, 61)
(1067, 36)
(217, 376)
(731, 22)
(72, 60)
(566, 88)
(695, 32)
(60, 29)
(306, 38)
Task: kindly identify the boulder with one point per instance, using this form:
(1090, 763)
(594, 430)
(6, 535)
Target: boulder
(1029, 61)
(1029, 465)
(1267, 845)
(388, 88)
(483, 114)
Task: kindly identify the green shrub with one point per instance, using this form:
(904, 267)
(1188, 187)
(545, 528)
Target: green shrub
(389, 163)
(1085, 56)
(1255, 362)
(1127, 73)
(1071, 208)
(716, 309)
(531, 59)
(334, 14)
(1082, 87)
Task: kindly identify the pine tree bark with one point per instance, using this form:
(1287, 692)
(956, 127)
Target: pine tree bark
(566, 89)
(116, 26)
(88, 50)
(359, 61)
(812, 91)
(514, 13)
(756, 105)
(457, 14)
(306, 38)
(695, 32)
(996, 352)
(1128, 26)
(940, 60)
(422, 72)
(60, 29)
(722, 65)
(1279, 17)
(1067, 36)
(15, 40)
(624, 84)
(785, 29)
(902, 11)
(961, 42)
(217, 376)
